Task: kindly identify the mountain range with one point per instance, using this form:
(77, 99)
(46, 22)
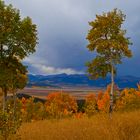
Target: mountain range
(79, 80)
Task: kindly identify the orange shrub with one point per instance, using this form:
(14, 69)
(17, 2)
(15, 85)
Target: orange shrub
(100, 95)
(91, 104)
(79, 115)
(91, 97)
(60, 104)
(103, 101)
(137, 93)
(32, 110)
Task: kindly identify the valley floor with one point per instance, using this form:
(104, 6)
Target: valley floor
(78, 93)
(121, 126)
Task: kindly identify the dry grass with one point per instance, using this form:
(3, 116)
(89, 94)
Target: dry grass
(124, 126)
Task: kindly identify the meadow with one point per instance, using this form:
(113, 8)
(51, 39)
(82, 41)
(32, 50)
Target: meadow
(121, 126)
(60, 117)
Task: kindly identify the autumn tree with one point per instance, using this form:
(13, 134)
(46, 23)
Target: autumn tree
(60, 104)
(107, 38)
(91, 104)
(18, 39)
(12, 77)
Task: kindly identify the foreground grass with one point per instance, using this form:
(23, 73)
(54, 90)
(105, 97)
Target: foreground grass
(122, 126)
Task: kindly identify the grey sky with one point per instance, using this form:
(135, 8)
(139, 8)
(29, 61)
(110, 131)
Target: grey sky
(62, 27)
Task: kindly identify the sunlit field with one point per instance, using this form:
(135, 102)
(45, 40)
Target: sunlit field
(121, 126)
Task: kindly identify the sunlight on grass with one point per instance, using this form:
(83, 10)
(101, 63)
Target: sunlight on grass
(124, 126)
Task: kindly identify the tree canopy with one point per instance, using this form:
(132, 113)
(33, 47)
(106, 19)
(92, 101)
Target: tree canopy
(107, 39)
(18, 39)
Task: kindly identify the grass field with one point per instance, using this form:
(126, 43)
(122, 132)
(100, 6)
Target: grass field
(122, 126)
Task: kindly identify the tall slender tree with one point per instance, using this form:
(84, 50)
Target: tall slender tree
(107, 38)
(18, 39)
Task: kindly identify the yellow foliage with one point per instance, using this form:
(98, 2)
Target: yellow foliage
(129, 99)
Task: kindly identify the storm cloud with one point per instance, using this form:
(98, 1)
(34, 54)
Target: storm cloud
(62, 29)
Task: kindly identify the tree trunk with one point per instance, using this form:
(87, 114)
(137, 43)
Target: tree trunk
(4, 99)
(14, 113)
(112, 88)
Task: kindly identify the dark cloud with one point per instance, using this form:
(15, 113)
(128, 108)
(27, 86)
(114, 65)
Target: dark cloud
(62, 27)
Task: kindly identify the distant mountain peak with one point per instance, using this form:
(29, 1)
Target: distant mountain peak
(80, 80)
